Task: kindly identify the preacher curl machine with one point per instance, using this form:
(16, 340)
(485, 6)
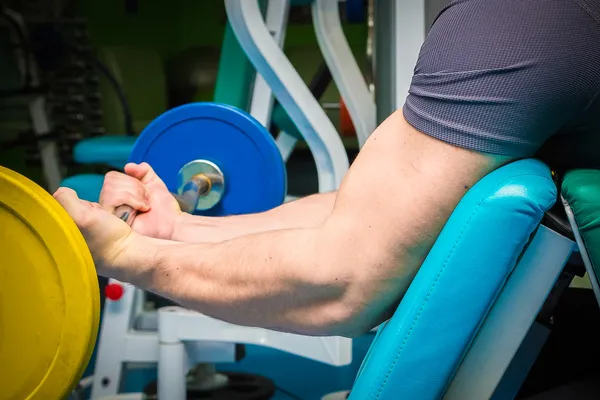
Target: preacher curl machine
(469, 327)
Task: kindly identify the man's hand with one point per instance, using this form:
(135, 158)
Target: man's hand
(141, 189)
(108, 237)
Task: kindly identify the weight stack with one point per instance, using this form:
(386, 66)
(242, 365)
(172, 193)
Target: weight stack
(67, 68)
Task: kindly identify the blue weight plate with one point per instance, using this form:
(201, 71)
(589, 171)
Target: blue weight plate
(255, 177)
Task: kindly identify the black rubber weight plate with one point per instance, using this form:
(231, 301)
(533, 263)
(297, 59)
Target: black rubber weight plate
(241, 387)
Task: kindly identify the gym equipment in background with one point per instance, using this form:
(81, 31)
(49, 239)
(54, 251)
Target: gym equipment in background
(127, 101)
(37, 102)
(348, 77)
(235, 77)
(399, 32)
(290, 90)
(224, 149)
(192, 73)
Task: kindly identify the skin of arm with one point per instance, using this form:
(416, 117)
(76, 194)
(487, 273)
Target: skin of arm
(307, 212)
(341, 276)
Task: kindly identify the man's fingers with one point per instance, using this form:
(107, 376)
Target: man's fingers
(67, 198)
(120, 189)
(111, 200)
(116, 181)
(143, 172)
(76, 208)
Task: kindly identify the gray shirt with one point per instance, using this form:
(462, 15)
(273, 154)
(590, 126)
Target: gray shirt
(513, 77)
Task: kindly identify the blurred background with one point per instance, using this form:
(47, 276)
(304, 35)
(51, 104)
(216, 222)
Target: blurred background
(95, 59)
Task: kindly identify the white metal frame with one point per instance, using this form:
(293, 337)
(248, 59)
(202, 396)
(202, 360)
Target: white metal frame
(400, 30)
(276, 20)
(119, 341)
(178, 327)
(410, 30)
(262, 103)
(129, 335)
(510, 320)
(290, 90)
(344, 69)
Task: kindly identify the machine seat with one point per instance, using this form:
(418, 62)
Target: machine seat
(581, 197)
(111, 150)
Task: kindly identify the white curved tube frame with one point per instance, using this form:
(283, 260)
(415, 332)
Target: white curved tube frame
(290, 90)
(344, 69)
(178, 327)
(261, 107)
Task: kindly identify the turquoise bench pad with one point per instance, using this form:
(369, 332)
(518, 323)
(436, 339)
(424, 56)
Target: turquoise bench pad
(419, 349)
(87, 186)
(581, 191)
(110, 150)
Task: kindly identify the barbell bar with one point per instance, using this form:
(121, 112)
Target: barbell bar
(226, 146)
(201, 188)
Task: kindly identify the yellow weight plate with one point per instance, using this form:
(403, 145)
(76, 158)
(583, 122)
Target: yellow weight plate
(49, 300)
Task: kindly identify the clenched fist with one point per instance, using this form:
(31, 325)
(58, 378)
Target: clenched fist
(141, 189)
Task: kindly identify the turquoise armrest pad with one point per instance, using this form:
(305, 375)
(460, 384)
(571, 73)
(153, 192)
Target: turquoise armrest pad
(417, 352)
(581, 191)
(87, 186)
(111, 150)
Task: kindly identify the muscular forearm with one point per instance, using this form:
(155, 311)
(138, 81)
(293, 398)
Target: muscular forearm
(303, 213)
(279, 280)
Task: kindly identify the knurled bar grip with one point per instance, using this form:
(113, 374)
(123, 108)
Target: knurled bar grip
(199, 185)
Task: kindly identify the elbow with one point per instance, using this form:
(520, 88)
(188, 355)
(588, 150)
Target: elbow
(344, 321)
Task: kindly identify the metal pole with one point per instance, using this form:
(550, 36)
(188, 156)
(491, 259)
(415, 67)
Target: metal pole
(400, 30)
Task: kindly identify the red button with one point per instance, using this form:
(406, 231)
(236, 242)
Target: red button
(113, 291)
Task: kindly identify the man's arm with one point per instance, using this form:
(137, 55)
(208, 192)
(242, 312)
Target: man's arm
(303, 213)
(340, 277)
(497, 76)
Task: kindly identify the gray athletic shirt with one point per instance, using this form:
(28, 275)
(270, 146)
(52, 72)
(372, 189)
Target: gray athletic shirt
(513, 77)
